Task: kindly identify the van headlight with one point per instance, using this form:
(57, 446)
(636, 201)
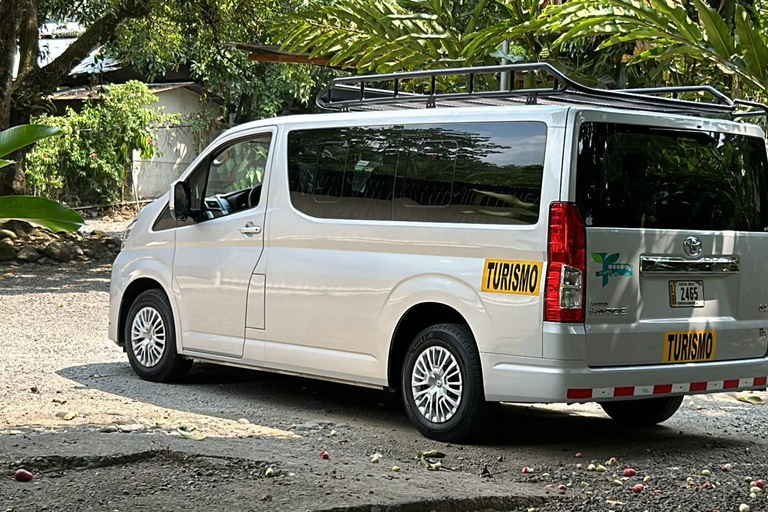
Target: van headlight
(127, 233)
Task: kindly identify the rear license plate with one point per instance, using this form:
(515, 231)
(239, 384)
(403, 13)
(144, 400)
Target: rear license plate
(689, 346)
(686, 294)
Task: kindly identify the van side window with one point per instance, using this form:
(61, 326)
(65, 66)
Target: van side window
(343, 173)
(482, 173)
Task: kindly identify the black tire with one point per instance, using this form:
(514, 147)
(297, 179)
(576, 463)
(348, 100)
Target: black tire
(171, 366)
(465, 422)
(645, 412)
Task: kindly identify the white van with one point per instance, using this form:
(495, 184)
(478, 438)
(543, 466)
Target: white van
(557, 244)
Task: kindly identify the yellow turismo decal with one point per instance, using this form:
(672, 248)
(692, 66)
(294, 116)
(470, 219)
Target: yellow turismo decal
(689, 346)
(516, 277)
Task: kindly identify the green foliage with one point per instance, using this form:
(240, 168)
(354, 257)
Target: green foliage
(18, 137)
(41, 212)
(386, 36)
(91, 162)
(670, 30)
(199, 33)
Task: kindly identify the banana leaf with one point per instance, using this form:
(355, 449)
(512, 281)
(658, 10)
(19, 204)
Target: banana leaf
(41, 212)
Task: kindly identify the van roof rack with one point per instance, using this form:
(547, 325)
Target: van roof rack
(386, 92)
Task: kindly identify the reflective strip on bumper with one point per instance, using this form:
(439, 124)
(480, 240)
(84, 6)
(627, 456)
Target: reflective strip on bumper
(665, 389)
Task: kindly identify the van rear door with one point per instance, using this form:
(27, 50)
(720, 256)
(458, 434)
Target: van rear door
(677, 247)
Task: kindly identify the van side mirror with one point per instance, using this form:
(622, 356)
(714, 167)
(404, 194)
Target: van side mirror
(179, 202)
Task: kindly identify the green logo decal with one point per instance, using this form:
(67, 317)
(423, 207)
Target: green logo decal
(610, 267)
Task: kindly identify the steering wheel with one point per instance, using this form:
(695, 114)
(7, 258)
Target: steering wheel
(253, 196)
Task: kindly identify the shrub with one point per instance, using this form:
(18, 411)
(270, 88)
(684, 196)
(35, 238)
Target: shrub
(91, 162)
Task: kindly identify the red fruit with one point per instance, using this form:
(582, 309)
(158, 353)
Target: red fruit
(579, 455)
(561, 488)
(630, 472)
(638, 488)
(760, 483)
(527, 470)
(705, 485)
(325, 455)
(22, 475)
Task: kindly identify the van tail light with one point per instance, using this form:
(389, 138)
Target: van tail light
(564, 294)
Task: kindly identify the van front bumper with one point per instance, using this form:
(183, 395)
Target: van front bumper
(524, 379)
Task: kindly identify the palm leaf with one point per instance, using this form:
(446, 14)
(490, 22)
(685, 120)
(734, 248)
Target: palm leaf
(718, 34)
(17, 137)
(755, 52)
(41, 212)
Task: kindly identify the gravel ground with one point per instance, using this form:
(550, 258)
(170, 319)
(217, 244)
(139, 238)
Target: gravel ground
(68, 391)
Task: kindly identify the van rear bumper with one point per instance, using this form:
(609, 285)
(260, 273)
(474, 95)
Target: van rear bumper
(523, 379)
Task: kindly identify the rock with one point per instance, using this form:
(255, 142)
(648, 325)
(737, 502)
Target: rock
(7, 250)
(243, 421)
(77, 251)
(20, 227)
(88, 253)
(127, 429)
(108, 429)
(67, 415)
(59, 251)
(42, 260)
(27, 253)
(127, 421)
(7, 233)
(113, 240)
(97, 233)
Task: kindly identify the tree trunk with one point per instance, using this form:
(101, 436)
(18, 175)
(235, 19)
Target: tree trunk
(18, 23)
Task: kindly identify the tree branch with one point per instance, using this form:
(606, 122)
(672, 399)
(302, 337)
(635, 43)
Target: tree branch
(47, 78)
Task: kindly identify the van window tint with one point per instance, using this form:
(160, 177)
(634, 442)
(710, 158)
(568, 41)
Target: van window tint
(633, 176)
(343, 173)
(464, 172)
(482, 173)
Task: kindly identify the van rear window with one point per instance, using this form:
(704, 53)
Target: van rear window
(631, 176)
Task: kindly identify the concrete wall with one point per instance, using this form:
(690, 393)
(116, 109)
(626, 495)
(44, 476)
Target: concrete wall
(153, 177)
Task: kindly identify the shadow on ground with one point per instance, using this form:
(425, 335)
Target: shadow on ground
(230, 393)
(75, 277)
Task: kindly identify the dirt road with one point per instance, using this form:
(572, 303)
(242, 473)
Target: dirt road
(98, 438)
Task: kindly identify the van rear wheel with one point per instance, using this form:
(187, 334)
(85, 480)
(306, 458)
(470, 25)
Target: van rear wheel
(442, 383)
(643, 413)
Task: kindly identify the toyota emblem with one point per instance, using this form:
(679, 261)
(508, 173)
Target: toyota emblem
(692, 246)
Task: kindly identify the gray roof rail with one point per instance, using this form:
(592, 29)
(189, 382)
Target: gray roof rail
(386, 92)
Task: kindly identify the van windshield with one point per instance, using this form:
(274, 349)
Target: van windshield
(631, 176)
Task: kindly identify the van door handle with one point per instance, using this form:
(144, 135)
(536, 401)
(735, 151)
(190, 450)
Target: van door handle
(249, 229)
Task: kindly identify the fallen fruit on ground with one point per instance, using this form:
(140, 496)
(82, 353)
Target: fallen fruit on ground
(638, 488)
(755, 490)
(325, 455)
(561, 488)
(527, 470)
(395, 468)
(647, 478)
(612, 461)
(22, 475)
(591, 467)
(726, 467)
(705, 472)
(630, 472)
(743, 507)
(579, 455)
(269, 473)
(760, 483)
(601, 469)
(375, 458)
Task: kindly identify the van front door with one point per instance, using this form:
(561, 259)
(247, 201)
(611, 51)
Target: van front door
(216, 257)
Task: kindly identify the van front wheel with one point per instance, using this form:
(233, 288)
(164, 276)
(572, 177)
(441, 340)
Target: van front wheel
(442, 383)
(150, 339)
(644, 412)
